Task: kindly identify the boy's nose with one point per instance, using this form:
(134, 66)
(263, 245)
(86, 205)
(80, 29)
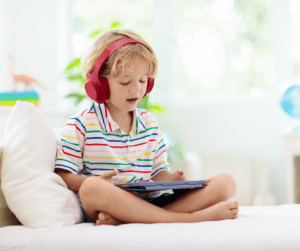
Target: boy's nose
(135, 88)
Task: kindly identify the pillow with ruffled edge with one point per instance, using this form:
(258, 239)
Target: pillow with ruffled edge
(34, 193)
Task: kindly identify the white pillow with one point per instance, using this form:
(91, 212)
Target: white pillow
(34, 193)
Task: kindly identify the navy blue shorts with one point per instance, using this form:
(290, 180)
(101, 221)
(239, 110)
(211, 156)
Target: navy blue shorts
(160, 201)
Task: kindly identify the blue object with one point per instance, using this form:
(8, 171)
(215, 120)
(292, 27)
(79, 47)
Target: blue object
(290, 101)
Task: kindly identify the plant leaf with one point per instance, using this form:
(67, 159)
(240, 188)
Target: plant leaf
(157, 109)
(96, 33)
(76, 77)
(76, 63)
(115, 25)
(77, 96)
(144, 103)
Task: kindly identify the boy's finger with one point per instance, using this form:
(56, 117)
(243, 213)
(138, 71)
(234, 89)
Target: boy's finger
(180, 171)
(109, 174)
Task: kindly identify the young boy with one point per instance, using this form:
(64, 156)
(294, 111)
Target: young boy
(114, 141)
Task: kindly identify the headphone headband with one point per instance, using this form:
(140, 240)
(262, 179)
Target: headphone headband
(110, 49)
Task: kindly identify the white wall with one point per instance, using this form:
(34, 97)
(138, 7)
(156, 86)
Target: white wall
(30, 30)
(31, 38)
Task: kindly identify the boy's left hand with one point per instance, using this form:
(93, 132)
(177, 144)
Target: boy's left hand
(178, 175)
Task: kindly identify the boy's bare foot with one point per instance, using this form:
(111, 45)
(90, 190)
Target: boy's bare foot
(107, 219)
(220, 211)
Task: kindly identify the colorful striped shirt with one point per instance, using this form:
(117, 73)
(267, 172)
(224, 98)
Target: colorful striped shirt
(92, 143)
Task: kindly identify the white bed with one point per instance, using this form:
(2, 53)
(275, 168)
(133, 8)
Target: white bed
(257, 228)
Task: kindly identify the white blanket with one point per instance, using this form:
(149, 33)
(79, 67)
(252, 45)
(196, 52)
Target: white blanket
(257, 228)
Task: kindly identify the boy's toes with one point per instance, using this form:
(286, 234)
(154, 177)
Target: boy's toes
(234, 216)
(236, 204)
(235, 211)
(106, 219)
(233, 204)
(103, 216)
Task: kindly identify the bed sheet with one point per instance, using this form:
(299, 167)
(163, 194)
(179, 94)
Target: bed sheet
(256, 228)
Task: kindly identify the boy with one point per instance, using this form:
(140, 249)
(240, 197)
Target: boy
(114, 142)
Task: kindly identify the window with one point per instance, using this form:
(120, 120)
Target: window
(92, 15)
(222, 48)
(207, 48)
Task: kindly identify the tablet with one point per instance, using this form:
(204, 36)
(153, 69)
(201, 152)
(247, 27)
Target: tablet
(162, 185)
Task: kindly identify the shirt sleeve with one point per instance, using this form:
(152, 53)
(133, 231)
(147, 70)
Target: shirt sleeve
(71, 146)
(160, 161)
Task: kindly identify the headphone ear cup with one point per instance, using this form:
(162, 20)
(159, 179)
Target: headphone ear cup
(97, 90)
(150, 85)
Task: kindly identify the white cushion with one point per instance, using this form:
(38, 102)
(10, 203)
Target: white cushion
(34, 193)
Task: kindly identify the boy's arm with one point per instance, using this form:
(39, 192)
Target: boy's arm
(163, 175)
(69, 158)
(161, 168)
(72, 180)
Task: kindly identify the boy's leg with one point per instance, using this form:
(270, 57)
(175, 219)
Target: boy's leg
(99, 195)
(219, 188)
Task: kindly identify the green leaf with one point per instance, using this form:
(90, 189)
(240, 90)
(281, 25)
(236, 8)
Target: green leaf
(144, 103)
(96, 33)
(76, 77)
(76, 63)
(157, 109)
(77, 96)
(115, 25)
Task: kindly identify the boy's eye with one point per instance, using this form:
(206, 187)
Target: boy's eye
(143, 81)
(124, 83)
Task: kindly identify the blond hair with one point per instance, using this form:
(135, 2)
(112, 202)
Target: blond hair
(118, 58)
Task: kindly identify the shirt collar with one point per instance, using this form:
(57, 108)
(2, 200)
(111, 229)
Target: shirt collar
(109, 125)
(138, 125)
(105, 119)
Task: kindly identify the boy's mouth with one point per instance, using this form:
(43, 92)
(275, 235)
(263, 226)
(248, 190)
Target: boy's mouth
(132, 100)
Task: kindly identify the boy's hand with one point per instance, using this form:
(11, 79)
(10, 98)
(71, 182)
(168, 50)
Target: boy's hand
(178, 175)
(108, 175)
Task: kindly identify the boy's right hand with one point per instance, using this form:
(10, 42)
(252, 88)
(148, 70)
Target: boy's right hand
(108, 177)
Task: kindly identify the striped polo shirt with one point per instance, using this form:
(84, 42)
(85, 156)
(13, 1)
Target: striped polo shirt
(92, 143)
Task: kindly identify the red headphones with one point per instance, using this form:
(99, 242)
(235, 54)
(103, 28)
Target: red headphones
(96, 86)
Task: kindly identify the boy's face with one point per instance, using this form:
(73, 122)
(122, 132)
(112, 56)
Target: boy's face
(127, 90)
